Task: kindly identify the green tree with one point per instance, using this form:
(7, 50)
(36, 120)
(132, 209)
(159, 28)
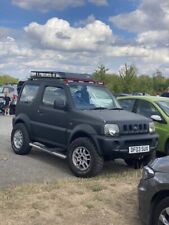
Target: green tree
(128, 76)
(6, 79)
(159, 82)
(100, 73)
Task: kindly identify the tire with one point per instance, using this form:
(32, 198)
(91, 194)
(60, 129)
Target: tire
(20, 139)
(167, 148)
(80, 166)
(130, 162)
(160, 210)
(139, 163)
(12, 110)
(147, 159)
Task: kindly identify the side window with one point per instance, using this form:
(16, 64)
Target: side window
(29, 93)
(127, 104)
(146, 109)
(51, 94)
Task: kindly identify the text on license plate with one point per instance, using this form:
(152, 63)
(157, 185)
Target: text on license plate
(139, 149)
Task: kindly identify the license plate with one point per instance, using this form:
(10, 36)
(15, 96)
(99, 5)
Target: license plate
(139, 149)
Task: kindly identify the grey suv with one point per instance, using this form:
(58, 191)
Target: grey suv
(78, 119)
(154, 193)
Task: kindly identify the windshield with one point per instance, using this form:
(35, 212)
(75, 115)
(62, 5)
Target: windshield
(164, 105)
(86, 96)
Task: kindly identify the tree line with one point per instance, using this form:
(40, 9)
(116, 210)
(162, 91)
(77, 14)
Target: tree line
(7, 79)
(128, 81)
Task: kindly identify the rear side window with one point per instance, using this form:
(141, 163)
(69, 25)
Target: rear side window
(51, 94)
(29, 93)
(127, 104)
(146, 109)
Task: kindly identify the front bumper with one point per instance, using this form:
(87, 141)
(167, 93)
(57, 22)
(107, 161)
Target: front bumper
(144, 199)
(118, 147)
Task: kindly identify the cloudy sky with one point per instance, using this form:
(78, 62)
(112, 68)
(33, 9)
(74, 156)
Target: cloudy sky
(79, 35)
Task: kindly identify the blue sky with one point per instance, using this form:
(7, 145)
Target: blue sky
(79, 35)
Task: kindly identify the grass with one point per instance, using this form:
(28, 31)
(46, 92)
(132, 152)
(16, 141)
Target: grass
(108, 200)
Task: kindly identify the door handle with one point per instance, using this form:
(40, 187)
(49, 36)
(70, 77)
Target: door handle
(40, 112)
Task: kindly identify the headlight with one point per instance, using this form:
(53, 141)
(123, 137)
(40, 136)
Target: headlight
(111, 129)
(147, 173)
(152, 127)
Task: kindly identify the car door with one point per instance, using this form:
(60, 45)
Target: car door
(148, 109)
(51, 123)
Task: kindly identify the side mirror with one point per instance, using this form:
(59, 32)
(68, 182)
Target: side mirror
(59, 103)
(156, 118)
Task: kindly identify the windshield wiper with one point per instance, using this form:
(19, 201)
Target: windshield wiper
(99, 108)
(116, 108)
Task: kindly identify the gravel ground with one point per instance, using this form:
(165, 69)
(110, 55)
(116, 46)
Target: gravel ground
(37, 166)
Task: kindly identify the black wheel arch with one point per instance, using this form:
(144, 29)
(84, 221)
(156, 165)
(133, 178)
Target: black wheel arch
(85, 131)
(24, 120)
(158, 197)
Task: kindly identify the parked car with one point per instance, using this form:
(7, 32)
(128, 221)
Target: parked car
(153, 192)
(156, 108)
(2, 103)
(12, 93)
(71, 116)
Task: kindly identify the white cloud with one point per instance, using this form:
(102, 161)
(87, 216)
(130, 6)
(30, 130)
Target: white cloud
(150, 15)
(99, 2)
(57, 45)
(90, 19)
(46, 5)
(154, 38)
(150, 24)
(59, 35)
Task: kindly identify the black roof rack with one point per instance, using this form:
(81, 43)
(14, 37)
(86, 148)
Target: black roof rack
(60, 75)
(66, 76)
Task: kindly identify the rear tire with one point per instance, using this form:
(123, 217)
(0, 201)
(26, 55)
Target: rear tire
(139, 163)
(84, 161)
(20, 139)
(167, 148)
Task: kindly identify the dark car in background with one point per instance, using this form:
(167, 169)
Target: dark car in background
(153, 192)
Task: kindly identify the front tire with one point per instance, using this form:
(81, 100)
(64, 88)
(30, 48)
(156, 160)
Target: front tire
(84, 161)
(20, 139)
(160, 214)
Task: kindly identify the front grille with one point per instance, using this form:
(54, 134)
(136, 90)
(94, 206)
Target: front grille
(140, 128)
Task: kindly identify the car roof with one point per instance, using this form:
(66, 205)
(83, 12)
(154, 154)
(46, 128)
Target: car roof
(147, 98)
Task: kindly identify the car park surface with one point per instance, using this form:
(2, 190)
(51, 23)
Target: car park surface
(153, 107)
(154, 193)
(36, 167)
